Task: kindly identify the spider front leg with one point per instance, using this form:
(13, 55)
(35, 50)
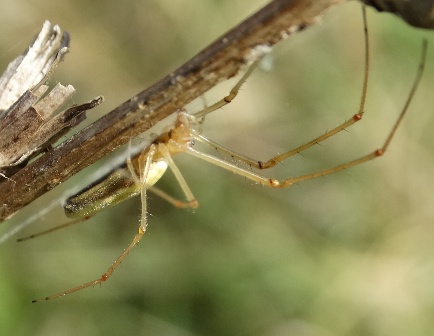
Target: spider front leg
(279, 158)
(271, 182)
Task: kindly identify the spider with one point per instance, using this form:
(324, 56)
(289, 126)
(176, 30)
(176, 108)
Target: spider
(140, 172)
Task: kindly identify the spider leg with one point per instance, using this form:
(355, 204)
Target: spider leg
(191, 200)
(58, 227)
(232, 94)
(271, 182)
(172, 200)
(145, 162)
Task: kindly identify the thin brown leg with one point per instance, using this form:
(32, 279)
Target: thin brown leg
(145, 163)
(271, 182)
(232, 94)
(105, 276)
(358, 116)
(275, 160)
(61, 226)
(193, 204)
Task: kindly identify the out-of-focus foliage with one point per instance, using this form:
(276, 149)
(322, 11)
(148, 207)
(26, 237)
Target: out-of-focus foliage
(347, 254)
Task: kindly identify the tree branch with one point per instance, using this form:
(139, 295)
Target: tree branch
(218, 62)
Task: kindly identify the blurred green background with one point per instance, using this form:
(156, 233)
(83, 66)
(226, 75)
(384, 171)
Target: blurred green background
(347, 254)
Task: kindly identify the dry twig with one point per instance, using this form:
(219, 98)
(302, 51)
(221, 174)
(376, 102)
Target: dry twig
(220, 61)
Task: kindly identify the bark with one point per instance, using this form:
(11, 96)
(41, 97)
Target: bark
(221, 60)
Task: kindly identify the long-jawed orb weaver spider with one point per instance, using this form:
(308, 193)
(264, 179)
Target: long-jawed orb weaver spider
(142, 171)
